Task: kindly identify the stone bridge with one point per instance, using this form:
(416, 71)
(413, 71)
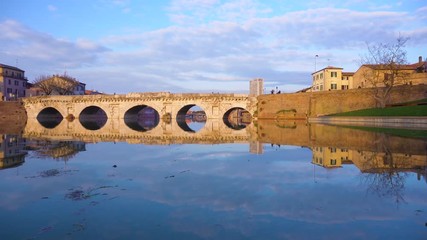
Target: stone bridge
(171, 109)
(116, 106)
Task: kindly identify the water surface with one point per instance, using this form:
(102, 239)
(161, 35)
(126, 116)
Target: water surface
(272, 181)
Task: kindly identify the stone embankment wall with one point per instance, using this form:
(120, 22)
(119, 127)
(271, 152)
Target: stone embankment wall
(314, 104)
(12, 117)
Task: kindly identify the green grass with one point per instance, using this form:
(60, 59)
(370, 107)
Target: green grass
(410, 133)
(408, 111)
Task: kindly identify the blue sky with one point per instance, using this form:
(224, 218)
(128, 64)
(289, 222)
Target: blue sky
(200, 45)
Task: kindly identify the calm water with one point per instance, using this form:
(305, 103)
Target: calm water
(268, 181)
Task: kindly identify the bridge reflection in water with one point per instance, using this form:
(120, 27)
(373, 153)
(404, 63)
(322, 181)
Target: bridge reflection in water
(332, 146)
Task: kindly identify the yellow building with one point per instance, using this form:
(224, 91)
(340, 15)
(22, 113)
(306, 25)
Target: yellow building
(375, 75)
(331, 78)
(330, 157)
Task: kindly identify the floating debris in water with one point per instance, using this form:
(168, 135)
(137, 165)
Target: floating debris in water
(52, 173)
(45, 229)
(79, 194)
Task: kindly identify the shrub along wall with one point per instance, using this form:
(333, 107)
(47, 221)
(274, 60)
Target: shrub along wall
(313, 104)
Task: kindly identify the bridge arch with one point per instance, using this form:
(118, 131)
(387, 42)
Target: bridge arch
(197, 121)
(141, 118)
(93, 117)
(237, 118)
(49, 117)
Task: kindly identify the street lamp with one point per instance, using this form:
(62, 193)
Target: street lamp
(315, 62)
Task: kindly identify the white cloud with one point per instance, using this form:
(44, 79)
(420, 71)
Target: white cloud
(52, 8)
(219, 52)
(44, 53)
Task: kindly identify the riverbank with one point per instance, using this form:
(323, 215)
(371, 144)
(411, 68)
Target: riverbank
(419, 123)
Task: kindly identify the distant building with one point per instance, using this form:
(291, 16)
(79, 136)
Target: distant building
(412, 74)
(256, 87)
(63, 82)
(331, 78)
(13, 83)
(92, 92)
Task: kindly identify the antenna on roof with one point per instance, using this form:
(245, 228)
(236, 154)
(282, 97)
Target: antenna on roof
(16, 65)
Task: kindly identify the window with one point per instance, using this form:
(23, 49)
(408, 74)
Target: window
(343, 87)
(333, 162)
(321, 87)
(333, 86)
(16, 83)
(334, 74)
(321, 75)
(9, 90)
(9, 81)
(333, 150)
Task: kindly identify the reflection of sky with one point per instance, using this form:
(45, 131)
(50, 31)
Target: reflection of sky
(202, 191)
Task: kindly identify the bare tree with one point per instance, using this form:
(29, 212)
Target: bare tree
(44, 83)
(66, 84)
(60, 84)
(385, 65)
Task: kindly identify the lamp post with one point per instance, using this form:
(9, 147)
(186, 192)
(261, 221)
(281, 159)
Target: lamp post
(315, 62)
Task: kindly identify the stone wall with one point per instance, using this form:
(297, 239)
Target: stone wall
(12, 117)
(313, 104)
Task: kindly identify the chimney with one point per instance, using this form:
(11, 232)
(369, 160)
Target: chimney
(420, 59)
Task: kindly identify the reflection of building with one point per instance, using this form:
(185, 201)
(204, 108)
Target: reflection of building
(63, 150)
(256, 87)
(256, 147)
(11, 151)
(12, 83)
(376, 162)
(331, 157)
(368, 161)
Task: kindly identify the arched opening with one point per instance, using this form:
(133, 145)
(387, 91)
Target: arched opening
(191, 118)
(93, 118)
(49, 117)
(237, 118)
(141, 118)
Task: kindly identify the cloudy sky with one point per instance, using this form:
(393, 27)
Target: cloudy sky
(201, 45)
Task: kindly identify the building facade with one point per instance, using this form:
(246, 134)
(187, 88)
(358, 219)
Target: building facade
(331, 78)
(375, 75)
(13, 83)
(61, 85)
(256, 87)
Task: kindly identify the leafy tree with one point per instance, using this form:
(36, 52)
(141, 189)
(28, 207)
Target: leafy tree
(385, 68)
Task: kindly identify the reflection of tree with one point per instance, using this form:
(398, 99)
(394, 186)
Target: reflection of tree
(387, 184)
(58, 150)
(383, 174)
